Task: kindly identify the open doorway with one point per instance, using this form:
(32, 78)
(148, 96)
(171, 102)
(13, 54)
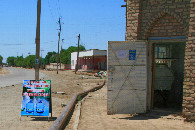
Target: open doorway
(168, 75)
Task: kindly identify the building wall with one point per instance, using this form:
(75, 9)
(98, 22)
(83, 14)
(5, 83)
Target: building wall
(89, 58)
(93, 52)
(157, 18)
(189, 72)
(73, 59)
(132, 17)
(86, 62)
(164, 18)
(86, 53)
(167, 18)
(100, 62)
(53, 66)
(93, 63)
(99, 52)
(165, 26)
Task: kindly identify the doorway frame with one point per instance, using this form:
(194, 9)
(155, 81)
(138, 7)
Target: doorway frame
(151, 41)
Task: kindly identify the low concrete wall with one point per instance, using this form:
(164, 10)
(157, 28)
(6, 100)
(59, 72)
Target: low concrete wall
(53, 66)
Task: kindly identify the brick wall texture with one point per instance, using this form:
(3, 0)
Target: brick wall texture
(166, 18)
(189, 73)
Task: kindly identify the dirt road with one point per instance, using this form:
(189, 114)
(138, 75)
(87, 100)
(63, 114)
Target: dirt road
(4, 71)
(12, 75)
(93, 109)
(11, 98)
(94, 117)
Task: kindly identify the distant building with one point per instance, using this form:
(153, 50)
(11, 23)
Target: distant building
(93, 59)
(53, 66)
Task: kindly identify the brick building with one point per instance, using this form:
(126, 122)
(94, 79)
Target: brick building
(93, 59)
(168, 26)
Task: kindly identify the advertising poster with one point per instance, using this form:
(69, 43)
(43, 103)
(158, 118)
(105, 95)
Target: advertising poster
(36, 98)
(132, 54)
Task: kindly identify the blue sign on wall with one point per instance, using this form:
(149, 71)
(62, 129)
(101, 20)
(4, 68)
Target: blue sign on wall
(132, 54)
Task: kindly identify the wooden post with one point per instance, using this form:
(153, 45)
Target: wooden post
(58, 52)
(77, 67)
(37, 40)
(58, 44)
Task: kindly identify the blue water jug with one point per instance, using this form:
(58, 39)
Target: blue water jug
(40, 107)
(30, 107)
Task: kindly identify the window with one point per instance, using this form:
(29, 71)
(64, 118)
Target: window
(162, 52)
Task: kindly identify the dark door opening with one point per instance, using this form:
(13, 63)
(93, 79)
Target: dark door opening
(168, 75)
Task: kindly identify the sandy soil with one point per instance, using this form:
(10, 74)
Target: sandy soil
(94, 117)
(4, 71)
(11, 98)
(93, 109)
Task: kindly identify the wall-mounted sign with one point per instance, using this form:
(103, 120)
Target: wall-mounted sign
(36, 98)
(36, 61)
(132, 54)
(122, 54)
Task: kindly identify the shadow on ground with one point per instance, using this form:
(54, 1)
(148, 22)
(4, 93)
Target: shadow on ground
(154, 114)
(44, 118)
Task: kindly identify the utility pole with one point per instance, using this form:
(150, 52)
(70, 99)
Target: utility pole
(61, 54)
(37, 40)
(58, 43)
(77, 67)
(41, 59)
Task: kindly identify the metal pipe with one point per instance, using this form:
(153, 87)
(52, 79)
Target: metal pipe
(63, 117)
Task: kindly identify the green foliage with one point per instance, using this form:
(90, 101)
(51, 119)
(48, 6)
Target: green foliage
(1, 59)
(19, 61)
(29, 61)
(79, 98)
(11, 61)
(51, 57)
(66, 54)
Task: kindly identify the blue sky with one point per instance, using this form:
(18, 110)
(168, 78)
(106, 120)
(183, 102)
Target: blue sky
(97, 21)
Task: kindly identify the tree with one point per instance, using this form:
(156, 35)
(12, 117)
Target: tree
(66, 54)
(1, 59)
(51, 57)
(11, 61)
(19, 61)
(29, 61)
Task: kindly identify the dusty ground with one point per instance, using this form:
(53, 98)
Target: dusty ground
(11, 97)
(94, 117)
(3, 71)
(93, 109)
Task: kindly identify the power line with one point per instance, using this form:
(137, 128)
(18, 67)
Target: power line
(48, 1)
(8, 44)
(57, 2)
(57, 5)
(12, 44)
(83, 43)
(59, 10)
